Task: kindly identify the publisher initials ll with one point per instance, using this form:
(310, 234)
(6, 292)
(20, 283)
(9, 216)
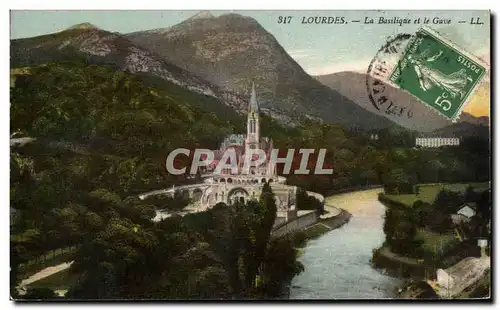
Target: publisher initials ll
(476, 21)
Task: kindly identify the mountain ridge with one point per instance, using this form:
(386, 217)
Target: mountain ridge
(462, 129)
(232, 51)
(285, 91)
(424, 119)
(103, 47)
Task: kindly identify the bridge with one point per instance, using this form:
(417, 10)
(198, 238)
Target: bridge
(229, 189)
(241, 188)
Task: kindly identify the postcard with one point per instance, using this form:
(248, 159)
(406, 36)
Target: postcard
(250, 155)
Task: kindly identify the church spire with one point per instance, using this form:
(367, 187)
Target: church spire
(253, 127)
(253, 106)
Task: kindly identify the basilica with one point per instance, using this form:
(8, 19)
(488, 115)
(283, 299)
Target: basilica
(230, 185)
(242, 185)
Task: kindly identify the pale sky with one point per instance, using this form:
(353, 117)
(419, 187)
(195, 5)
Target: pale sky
(319, 49)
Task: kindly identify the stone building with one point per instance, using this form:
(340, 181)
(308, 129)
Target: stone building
(231, 186)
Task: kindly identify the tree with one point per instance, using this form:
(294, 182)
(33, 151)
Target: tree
(389, 224)
(119, 262)
(400, 227)
(438, 221)
(448, 201)
(266, 218)
(484, 205)
(280, 267)
(398, 181)
(421, 210)
(306, 202)
(435, 168)
(471, 195)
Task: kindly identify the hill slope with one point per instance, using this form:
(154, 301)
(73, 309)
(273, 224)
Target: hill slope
(463, 129)
(102, 47)
(114, 112)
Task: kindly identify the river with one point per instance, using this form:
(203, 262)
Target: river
(337, 264)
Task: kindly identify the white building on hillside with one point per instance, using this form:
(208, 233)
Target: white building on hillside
(436, 141)
(464, 214)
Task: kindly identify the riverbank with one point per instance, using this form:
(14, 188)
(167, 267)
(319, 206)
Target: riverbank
(320, 228)
(351, 190)
(400, 266)
(337, 264)
(422, 275)
(333, 218)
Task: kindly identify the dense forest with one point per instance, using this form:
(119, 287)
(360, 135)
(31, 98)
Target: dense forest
(102, 137)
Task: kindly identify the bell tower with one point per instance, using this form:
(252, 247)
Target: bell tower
(253, 126)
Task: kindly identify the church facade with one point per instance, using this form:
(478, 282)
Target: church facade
(243, 184)
(231, 185)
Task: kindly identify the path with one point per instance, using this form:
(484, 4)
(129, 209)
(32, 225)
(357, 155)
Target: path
(42, 274)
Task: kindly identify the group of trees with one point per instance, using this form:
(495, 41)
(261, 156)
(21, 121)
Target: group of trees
(224, 252)
(308, 202)
(400, 228)
(401, 224)
(112, 112)
(354, 159)
(358, 161)
(468, 162)
(51, 211)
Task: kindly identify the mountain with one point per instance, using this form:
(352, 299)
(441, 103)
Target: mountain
(475, 120)
(88, 43)
(233, 51)
(201, 15)
(83, 26)
(462, 129)
(353, 85)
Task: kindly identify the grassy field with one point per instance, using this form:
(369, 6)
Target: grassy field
(436, 243)
(428, 192)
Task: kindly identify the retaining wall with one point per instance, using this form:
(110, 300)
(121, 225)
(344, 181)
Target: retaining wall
(302, 221)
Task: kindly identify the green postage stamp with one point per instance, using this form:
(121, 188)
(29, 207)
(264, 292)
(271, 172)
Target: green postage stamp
(438, 72)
